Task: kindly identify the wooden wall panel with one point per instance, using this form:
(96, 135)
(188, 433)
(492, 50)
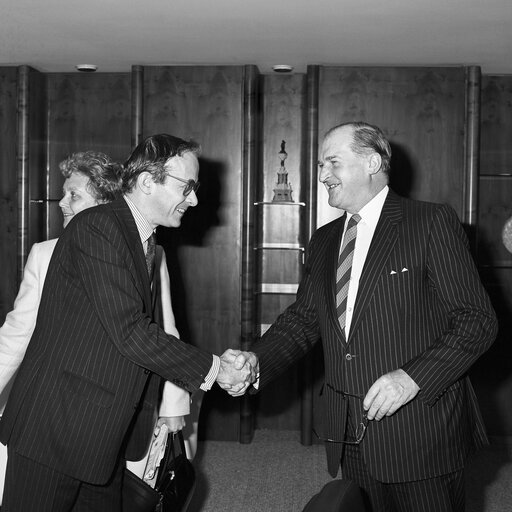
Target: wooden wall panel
(283, 100)
(85, 112)
(23, 149)
(8, 189)
(283, 103)
(250, 171)
(422, 113)
(496, 125)
(37, 170)
(420, 110)
(205, 104)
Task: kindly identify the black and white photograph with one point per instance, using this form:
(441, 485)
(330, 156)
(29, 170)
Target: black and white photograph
(255, 257)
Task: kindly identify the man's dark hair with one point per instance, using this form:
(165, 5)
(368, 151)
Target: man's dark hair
(151, 156)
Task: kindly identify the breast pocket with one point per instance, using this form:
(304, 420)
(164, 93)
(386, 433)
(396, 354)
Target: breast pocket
(403, 285)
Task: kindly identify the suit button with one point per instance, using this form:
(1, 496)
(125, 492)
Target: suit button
(348, 357)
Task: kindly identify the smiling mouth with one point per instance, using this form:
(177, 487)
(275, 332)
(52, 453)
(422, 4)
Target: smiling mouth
(333, 185)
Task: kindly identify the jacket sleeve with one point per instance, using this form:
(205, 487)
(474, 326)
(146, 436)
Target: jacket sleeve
(453, 278)
(295, 331)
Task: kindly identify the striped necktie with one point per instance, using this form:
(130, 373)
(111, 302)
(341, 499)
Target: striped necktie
(150, 254)
(345, 269)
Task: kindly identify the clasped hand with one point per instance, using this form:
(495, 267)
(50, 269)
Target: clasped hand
(238, 370)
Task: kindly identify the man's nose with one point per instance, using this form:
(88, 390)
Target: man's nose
(323, 173)
(192, 199)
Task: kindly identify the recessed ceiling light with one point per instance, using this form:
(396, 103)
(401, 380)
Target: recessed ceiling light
(86, 68)
(282, 68)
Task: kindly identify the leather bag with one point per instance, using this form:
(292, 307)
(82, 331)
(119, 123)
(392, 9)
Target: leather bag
(174, 487)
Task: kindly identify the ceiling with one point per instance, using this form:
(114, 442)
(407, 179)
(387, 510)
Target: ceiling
(55, 35)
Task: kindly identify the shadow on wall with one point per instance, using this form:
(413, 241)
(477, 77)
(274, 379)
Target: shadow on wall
(402, 174)
(195, 227)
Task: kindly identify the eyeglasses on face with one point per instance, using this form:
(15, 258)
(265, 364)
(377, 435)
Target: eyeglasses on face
(360, 429)
(190, 184)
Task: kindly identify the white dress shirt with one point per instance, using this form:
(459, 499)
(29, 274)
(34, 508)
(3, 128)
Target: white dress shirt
(370, 214)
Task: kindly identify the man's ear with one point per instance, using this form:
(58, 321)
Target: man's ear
(145, 182)
(374, 163)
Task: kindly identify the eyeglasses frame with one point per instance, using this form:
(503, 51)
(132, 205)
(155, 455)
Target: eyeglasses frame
(192, 185)
(361, 428)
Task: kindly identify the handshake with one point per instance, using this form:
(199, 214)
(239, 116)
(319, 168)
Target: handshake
(238, 370)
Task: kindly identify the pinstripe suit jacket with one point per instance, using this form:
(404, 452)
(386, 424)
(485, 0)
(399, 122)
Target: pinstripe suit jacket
(433, 320)
(89, 367)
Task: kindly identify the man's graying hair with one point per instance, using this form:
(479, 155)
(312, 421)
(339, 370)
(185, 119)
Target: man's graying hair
(152, 154)
(367, 139)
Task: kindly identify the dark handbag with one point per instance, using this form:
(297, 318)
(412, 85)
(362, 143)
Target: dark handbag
(174, 487)
(138, 496)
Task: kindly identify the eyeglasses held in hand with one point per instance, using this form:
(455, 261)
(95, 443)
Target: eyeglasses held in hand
(190, 184)
(360, 429)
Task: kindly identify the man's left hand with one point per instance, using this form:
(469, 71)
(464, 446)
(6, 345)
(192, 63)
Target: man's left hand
(389, 393)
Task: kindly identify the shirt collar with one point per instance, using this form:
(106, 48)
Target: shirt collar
(143, 226)
(371, 211)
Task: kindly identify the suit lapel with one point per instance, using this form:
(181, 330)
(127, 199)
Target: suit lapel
(132, 236)
(384, 239)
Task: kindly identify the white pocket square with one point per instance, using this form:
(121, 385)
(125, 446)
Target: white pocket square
(393, 272)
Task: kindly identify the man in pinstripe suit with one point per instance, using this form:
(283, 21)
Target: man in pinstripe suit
(86, 393)
(401, 415)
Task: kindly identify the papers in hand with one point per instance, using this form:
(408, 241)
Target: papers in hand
(156, 453)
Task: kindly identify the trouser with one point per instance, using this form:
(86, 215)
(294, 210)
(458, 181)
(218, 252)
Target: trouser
(30, 486)
(445, 493)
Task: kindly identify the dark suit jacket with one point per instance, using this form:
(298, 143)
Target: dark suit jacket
(86, 383)
(420, 307)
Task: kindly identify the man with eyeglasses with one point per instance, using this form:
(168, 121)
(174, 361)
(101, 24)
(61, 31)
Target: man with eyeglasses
(95, 363)
(391, 291)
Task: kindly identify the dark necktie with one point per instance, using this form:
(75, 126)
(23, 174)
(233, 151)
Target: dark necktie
(345, 269)
(150, 254)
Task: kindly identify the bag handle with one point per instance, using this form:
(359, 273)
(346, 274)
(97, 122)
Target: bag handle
(170, 454)
(181, 441)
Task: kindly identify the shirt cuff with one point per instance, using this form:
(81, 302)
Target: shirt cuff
(210, 379)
